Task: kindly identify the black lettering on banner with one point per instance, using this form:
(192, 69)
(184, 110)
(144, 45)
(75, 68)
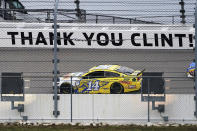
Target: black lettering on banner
(88, 38)
(40, 39)
(68, 39)
(145, 40)
(102, 42)
(13, 36)
(180, 36)
(119, 43)
(51, 37)
(165, 39)
(133, 39)
(156, 40)
(191, 40)
(29, 38)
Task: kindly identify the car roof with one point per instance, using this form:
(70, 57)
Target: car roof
(105, 67)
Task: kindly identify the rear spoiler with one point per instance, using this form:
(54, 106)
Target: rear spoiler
(141, 72)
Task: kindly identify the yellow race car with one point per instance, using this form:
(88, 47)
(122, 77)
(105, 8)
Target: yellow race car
(102, 79)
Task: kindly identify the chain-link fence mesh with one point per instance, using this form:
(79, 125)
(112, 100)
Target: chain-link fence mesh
(36, 64)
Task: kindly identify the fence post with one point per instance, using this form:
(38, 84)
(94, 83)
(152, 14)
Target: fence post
(4, 9)
(195, 76)
(148, 101)
(78, 11)
(96, 19)
(113, 20)
(71, 101)
(172, 19)
(129, 21)
(182, 11)
(55, 112)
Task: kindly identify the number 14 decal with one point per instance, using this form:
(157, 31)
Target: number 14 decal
(93, 86)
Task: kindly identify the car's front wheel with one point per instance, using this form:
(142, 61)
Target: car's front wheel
(66, 88)
(116, 88)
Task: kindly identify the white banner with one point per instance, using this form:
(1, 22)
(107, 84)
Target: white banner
(98, 39)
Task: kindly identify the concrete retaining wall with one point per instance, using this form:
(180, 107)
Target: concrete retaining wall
(115, 109)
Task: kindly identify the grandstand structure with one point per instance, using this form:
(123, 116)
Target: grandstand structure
(39, 11)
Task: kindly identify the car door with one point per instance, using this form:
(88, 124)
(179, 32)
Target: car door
(112, 77)
(91, 82)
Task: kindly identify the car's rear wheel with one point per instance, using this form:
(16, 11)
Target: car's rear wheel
(66, 88)
(116, 88)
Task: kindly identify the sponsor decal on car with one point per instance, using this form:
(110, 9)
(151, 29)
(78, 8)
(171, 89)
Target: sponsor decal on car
(126, 82)
(131, 86)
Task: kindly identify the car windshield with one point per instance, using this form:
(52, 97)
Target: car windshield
(125, 70)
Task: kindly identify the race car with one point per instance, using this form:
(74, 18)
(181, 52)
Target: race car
(191, 70)
(102, 79)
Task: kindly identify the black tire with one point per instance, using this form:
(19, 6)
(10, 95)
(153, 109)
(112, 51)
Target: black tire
(65, 88)
(116, 88)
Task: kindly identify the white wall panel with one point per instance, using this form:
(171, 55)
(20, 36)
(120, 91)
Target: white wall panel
(101, 108)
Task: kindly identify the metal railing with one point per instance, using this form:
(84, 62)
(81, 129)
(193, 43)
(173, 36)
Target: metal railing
(71, 16)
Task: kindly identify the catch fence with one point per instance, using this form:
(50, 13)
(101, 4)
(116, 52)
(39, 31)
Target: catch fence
(157, 43)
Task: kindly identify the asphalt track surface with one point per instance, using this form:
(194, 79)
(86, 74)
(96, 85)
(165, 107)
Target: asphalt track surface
(37, 66)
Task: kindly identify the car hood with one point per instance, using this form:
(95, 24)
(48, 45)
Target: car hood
(73, 75)
(70, 78)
